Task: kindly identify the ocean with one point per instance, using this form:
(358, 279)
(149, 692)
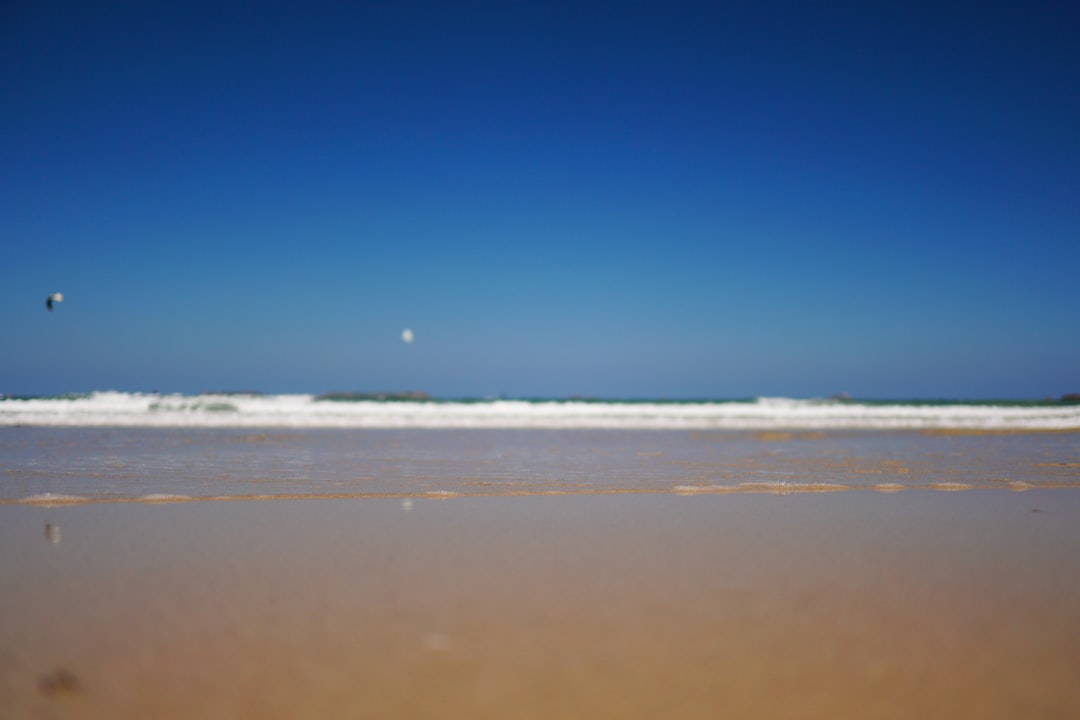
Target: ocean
(117, 409)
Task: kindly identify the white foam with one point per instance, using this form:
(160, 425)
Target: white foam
(305, 411)
(165, 498)
(52, 499)
(702, 489)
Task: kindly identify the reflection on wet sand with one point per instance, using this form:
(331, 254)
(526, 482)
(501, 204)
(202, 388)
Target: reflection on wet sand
(52, 533)
(174, 465)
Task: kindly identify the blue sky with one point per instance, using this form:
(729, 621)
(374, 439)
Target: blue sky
(612, 199)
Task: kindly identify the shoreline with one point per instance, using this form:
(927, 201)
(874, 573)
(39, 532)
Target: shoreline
(52, 466)
(748, 488)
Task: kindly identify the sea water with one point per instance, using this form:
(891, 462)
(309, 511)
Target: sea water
(116, 409)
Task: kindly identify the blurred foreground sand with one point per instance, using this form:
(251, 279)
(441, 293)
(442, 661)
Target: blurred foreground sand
(914, 604)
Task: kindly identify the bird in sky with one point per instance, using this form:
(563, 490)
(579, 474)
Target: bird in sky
(52, 300)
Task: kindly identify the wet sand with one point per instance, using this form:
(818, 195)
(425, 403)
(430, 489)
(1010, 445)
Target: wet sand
(918, 603)
(126, 464)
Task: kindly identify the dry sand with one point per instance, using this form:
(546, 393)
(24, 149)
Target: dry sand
(918, 603)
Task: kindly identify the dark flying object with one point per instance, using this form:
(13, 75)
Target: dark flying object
(54, 298)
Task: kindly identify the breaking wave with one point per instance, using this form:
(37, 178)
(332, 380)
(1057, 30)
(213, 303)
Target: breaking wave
(118, 409)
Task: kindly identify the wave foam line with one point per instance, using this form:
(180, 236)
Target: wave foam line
(52, 499)
(114, 409)
(745, 488)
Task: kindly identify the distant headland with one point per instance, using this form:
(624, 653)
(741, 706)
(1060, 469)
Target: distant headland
(414, 395)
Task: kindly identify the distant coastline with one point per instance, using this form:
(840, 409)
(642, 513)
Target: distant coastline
(421, 396)
(410, 396)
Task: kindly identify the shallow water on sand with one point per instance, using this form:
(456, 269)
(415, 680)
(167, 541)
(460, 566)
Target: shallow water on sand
(157, 464)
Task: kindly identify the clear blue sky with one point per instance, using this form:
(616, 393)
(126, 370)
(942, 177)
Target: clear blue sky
(655, 199)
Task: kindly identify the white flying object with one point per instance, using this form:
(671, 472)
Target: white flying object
(54, 298)
(406, 335)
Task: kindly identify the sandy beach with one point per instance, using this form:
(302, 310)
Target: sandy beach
(539, 361)
(919, 603)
